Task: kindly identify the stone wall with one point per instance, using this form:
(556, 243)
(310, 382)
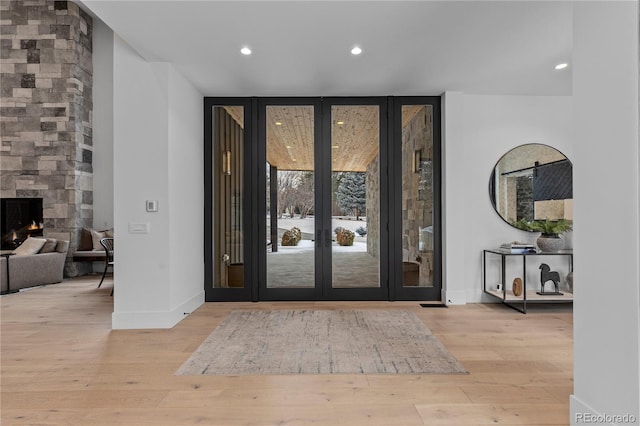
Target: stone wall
(372, 184)
(417, 193)
(46, 106)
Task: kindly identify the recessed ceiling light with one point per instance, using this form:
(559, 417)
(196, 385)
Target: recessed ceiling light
(562, 66)
(356, 50)
(293, 159)
(278, 123)
(245, 51)
(335, 146)
(288, 146)
(340, 123)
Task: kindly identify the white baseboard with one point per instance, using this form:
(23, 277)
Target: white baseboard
(156, 319)
(454, 297)
(479, 296)
(463, 297)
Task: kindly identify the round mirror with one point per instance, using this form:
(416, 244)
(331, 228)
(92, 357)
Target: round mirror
(532, 182)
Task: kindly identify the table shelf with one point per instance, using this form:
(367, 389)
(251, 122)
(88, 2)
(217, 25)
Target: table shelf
(528, 296)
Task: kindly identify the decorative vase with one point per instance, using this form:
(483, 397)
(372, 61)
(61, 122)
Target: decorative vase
(549, 242)
(570, 281)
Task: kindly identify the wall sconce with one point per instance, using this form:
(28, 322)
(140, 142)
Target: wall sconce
(417, 157)
(226, 162)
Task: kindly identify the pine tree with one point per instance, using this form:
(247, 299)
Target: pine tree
(352, 194)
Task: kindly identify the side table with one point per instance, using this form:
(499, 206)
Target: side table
(528, 296)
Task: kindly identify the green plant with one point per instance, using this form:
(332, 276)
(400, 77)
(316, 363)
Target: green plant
(546, 227)
(551, 227)
(523, 224)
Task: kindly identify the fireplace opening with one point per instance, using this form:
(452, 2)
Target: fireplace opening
(21, 218)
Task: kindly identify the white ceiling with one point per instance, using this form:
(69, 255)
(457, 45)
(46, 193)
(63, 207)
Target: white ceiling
(302, 48)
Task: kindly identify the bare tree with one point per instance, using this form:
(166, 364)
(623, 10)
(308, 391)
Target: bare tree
(287, 183)
(295, 193)
(305, 194)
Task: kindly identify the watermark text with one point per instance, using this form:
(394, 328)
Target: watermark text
(590, 418)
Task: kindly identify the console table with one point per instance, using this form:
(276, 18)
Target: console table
(507, 296)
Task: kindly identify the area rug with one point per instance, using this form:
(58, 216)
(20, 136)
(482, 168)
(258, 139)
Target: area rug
(321, 342)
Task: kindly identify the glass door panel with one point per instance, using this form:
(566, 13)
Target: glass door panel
(355, 196)
(417, 196)
(228, 190)
(290, 187)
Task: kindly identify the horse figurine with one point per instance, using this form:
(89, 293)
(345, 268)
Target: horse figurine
(546, 274)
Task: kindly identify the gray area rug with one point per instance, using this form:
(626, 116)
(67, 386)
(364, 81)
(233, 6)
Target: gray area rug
(321, 342)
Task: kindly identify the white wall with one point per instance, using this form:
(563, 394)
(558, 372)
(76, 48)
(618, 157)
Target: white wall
(606, 187)
(155, 286)
(186, 188)
(156, 112)
(478, 130)
(102, 125)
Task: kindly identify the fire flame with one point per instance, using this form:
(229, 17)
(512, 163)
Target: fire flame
(33, 226)
(14, 236)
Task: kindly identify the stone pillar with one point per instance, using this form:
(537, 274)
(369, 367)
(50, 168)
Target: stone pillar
(417, 193)
(45, 128)
(372, 183)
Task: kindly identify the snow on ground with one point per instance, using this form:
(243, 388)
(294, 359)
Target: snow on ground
(308, 245)
(307, 226)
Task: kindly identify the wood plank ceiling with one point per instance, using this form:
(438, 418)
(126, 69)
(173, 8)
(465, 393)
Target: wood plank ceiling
(354, 135)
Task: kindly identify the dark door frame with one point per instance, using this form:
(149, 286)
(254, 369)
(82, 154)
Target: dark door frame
(264, 292)
(250, 176)
(398, 291)
(390, 188)
(366, 293)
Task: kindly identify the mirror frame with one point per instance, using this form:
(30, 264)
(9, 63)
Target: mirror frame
(492, 179)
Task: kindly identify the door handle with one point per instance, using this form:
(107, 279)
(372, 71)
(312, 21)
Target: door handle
(319, 238)
(327, 238)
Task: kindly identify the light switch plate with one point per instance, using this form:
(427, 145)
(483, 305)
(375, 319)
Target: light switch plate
(139, 228)
(152, 205)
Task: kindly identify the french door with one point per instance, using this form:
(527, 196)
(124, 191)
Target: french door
(322, 199)
(318, 170)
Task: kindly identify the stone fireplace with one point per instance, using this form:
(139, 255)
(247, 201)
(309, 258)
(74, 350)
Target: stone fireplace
(46, 130)
(20, 219)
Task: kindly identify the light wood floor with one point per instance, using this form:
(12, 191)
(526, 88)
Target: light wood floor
(62, 365)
